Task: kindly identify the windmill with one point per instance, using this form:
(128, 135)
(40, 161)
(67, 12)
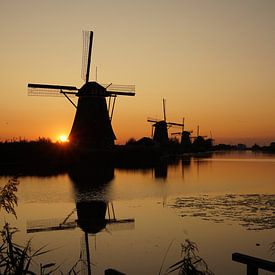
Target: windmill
(200, 142)
(198, 136)
(92, 122)
(160, 127)
(185, 136)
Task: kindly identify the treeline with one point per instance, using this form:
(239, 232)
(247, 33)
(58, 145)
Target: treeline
(33, 155)
(173, 145)
(242, 147)
(270, 148)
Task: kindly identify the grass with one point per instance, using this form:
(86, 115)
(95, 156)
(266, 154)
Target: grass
(8, 199)
(191, 263)
(17, 259)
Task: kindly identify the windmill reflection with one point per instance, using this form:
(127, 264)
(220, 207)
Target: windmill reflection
(94, 211)
(161, 171)
(161, 168)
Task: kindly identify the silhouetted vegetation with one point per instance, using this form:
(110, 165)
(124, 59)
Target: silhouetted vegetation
(173, 146)
(191, 263)
(8, 199)
(268, 149)
(230, 147)
(39, 155)
(43, 157)
(242, 147)
(15, 258)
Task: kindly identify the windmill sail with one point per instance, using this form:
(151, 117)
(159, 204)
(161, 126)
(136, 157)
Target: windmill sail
(115, 89)
(34, 226)
(175, 124)
(50, 90)
(86, 55)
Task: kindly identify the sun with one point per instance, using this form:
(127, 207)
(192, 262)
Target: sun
(63, 138)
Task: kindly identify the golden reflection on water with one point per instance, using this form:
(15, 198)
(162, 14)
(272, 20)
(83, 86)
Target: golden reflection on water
(168, 203)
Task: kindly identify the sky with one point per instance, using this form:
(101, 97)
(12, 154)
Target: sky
(212, 60)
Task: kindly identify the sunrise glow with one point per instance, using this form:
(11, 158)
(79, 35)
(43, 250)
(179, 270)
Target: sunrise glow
(208, 59)
(63, 138)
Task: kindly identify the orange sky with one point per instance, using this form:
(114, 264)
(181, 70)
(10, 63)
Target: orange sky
(213, 61)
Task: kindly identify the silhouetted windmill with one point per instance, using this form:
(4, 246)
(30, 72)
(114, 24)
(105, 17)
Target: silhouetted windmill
(160, 127)
(185, 135)
(92, 123)
(198, 134)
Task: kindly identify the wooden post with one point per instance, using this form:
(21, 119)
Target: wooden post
(251, 270)
(253, 263)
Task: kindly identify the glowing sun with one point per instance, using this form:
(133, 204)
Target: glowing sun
(63, 138)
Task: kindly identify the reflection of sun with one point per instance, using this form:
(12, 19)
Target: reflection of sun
(63, 138)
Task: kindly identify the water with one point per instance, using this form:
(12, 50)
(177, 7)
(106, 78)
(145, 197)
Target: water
(224, 202)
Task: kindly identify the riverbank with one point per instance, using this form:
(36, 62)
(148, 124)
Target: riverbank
(43, 156)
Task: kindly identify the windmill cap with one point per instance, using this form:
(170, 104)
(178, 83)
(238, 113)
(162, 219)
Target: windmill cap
(92, 88)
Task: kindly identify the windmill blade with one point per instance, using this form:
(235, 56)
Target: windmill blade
(174, 124)
(121, 224)
(66, 226)
(115, 89)
(164, 109)
(154, 120)
(121, 93)
(51, 90)
(86, 55)
(45, 225)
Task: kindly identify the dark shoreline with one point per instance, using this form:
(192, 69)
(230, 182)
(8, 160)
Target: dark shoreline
(45, 158)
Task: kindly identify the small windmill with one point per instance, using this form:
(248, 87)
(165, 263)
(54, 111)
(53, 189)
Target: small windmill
(92, 123)
(185, 135)
(160, 127)
(198, 134)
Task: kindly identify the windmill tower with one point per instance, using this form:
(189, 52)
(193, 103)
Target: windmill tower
(160, 127)
(92, 126)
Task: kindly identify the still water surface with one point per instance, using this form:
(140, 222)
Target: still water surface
(224, 202)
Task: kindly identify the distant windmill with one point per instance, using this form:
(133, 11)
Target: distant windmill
(185, 135)
(198, 134)
(182, 128)
(160, 127)
(92, 123)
